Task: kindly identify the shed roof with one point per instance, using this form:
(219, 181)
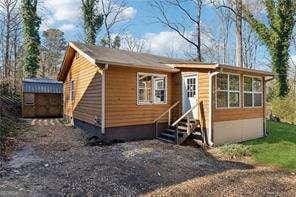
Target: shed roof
(42, 85)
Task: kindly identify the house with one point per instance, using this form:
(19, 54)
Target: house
(117, 94)
(42, 98)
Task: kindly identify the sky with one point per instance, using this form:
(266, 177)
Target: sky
(65, 15)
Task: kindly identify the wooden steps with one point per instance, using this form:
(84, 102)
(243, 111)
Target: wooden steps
(184, 129)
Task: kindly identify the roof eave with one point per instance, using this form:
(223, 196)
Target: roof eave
(173, 70)
(259, 72)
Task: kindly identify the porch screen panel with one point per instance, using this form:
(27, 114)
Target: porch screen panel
(227, 91)
(253, 91)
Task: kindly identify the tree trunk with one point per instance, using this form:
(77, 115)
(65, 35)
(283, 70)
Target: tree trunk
(198, 48)
(239, 48)
(198, 30)
(7, 44)
(280, 61)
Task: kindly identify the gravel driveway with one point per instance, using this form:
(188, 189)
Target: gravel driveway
(53, 160)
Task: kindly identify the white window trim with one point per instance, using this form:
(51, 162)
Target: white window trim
(185, 75)
(153, 89)
(228, 91)
(251, 92)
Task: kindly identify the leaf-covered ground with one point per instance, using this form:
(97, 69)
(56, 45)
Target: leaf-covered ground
(53, 160)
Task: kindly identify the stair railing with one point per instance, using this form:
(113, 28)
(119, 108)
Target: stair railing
(184, 115)
(188, 120)
(169, 111)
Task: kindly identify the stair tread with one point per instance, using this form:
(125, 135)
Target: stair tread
(166, 140)
(185, 120)
(196, 133)
(168, 135)
(172, 132)
(182, 127)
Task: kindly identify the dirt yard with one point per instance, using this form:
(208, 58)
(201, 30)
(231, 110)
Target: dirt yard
(53, 160)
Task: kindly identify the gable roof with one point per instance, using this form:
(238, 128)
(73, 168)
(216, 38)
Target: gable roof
(42, 85)
(102, 55)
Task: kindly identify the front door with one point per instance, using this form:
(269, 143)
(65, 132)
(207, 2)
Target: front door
(189, 98)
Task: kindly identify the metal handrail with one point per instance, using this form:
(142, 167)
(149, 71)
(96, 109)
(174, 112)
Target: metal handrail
(164, 113)
(184, 115)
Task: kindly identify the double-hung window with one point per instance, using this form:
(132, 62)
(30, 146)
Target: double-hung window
(253, 91)
(152, 88)
(228, 91)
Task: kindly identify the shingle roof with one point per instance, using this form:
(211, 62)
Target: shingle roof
(41, 85)
(124, 57)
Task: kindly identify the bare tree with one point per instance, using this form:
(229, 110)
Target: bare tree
(251, 44)
(235, 6)
(16, 51)
(9, 11)
(239, 35)
(134, 44)
(113, 14)
(1, 46)
(226, 20)
(162, 6)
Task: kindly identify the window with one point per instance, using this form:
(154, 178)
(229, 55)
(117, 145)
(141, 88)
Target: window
(159, 92)
(253, 92)
(72, 90)
(191, 87)
(151, 88)
(228, 91)
(29, 98)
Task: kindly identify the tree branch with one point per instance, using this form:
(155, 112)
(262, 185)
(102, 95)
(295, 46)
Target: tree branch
(262, 30)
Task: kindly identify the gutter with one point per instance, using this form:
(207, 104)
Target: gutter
(103, 124)
(210, 129)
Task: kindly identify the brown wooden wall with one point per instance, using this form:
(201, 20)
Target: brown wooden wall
(121, 98)
(203, 97)
(237, 113)
(45, 106)
(88, 87)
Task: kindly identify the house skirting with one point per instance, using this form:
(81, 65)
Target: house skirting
(237, 130)
(133, 132)
(125, 133)
(89, 130)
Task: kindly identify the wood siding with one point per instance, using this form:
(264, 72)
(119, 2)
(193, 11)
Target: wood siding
(177, 95)
(203, 97)
(228, 114)
(121, 98)
(45, 106)
(237, 114)
(86, 105)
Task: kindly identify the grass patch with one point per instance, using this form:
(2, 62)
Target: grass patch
(278, 148)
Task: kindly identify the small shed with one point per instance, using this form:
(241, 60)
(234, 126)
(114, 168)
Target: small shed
(42, 98)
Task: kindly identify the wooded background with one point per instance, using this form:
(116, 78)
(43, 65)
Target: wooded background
(243, 27)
